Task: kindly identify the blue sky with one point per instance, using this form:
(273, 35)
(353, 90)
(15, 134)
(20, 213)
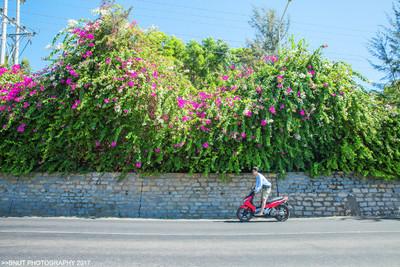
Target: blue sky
(346, 26)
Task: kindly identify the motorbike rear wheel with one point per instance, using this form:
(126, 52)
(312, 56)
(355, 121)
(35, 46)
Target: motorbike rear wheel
(282, 213)
(244, 214)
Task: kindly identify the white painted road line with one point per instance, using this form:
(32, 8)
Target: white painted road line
(200, 234)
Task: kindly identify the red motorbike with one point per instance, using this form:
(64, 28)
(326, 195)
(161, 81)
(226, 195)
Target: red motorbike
(276, 208)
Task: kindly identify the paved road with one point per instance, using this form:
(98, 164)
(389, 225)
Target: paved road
(31, 241)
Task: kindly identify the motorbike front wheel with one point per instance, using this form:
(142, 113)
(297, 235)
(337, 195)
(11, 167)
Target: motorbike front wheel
(244, 214)
(282, 213)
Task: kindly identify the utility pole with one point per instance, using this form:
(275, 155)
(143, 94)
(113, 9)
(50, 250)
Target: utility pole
(17, 33)
(4, 33)
(281, 22)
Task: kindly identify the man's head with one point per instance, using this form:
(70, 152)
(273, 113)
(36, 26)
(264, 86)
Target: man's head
(255, 171)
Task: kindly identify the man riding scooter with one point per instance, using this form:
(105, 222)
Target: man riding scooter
(265, 185)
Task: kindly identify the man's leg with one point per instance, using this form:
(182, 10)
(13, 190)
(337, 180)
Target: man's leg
(264, 196)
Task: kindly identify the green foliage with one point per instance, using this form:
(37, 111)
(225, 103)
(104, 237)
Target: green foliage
(117, 98)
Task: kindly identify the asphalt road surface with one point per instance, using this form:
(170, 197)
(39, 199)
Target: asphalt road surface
(33, 241)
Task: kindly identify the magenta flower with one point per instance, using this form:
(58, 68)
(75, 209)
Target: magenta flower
(243, 135)
(302, 112)
(91, 45)
(68, 81)
(138, 164)
(21, 128)
(106, 100)
(157, 150)
(282, 106)
(218, 101)
(185, 118)
(333, 94)
(248, 113)
(108, 60)
(326, 85)
(131, 83)
(76, 104)
(271, 58)
(225, 77)
(259, 90)
(288, 90)
(97, 142)
(73, 73)
(272, 110)
(90, 36)
(26, 104)
(205, 145)
(298, 94)
(155, 74)
(181, 102)
(113, 143)
(208, 121)
(263, 122)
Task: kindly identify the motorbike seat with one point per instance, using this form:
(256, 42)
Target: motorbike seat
(274, 199)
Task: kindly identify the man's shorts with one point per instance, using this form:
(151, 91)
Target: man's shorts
(266, 190)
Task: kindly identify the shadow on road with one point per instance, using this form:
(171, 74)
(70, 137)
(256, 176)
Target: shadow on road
(376, 219)
(258, 221)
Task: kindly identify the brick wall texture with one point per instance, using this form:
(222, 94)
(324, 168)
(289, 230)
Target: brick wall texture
(178, 195)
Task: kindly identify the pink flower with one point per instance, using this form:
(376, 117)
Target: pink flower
(333, 94)
(208, 121)
(181, 102)
(302, 112)
(73, 73)
(126, 111)
(263, 122)
(298, 94)
(97, 142)
(15, 68)
(243, 135)
(131, 83)
(138, 164)
(288, 90)
(155, 74)
(90, 36)
(259, 90)
(248, 113)
(76, 104)
(106, 100)
(91, 45)
(225, 77)
(271, 58)
(203, 96)
(113, 143)
(282, 106)
(21, 128)
(326, 85)
(272, 110)
(279, 85)
(205, 145)
(218, 101)
(108, 60)
(26, 104)
(157, 150)
(185, 118)
(68, 81)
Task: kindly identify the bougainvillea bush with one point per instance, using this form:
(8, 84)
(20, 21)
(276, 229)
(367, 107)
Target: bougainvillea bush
(119, 98)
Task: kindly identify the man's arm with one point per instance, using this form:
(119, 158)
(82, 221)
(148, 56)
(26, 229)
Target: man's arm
(258, 184)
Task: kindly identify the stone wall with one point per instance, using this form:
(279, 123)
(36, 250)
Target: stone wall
(189, 196)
